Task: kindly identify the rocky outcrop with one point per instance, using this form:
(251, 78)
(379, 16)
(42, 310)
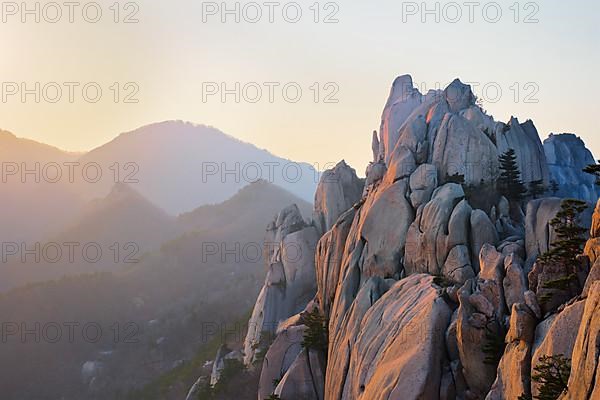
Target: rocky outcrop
(402, 101)
(515, 282)
(483, 232)
(427, 238)
(224, 355)
(462, 149)
(290, 283)
(383, 225)
(399, 344)
(394, 331)
(540, 236)
(338, 190)
(567, 156)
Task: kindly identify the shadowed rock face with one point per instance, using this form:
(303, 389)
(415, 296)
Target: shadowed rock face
(514, 378)
(567, 156)
(525, 140)
(280, 357)
(290, 283)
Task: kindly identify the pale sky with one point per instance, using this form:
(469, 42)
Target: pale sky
(171, 53)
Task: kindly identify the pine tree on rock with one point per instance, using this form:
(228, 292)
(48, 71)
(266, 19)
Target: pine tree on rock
(593, 169)
(564, 251)
(537, 189)
(554, 188)
(509, 183)
(552, 373)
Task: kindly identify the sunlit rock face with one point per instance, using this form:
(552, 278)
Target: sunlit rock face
(583, 382)
(567, 156)
(392, 348)
(592, 251)
(556, 335)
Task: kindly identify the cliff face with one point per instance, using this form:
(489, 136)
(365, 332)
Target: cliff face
(567, 156)
(290, 283)
(425, 282)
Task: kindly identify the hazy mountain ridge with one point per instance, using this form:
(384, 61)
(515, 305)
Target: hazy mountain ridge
(164, 162)
(174, 285)
(181, 165)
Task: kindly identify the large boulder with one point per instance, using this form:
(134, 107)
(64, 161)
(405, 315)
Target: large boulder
(385, 219)
(422, 184)
(567, 156)
(458, 266)
(399, 350)
(483, 232)
(462, 149)
(426, 246)
(515, 282)
(548, 295)
(338, 190)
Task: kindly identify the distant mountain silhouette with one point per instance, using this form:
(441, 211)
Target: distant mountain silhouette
(124, 216)
(164, 162)
(30, 205)
(179, 166)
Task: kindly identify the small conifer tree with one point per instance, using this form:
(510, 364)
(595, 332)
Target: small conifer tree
(509, 183)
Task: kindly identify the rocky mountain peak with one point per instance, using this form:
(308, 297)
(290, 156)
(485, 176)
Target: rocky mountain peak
(428, 276)
(459, 96)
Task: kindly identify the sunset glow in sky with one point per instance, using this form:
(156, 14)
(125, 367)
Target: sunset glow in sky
(179, 51)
